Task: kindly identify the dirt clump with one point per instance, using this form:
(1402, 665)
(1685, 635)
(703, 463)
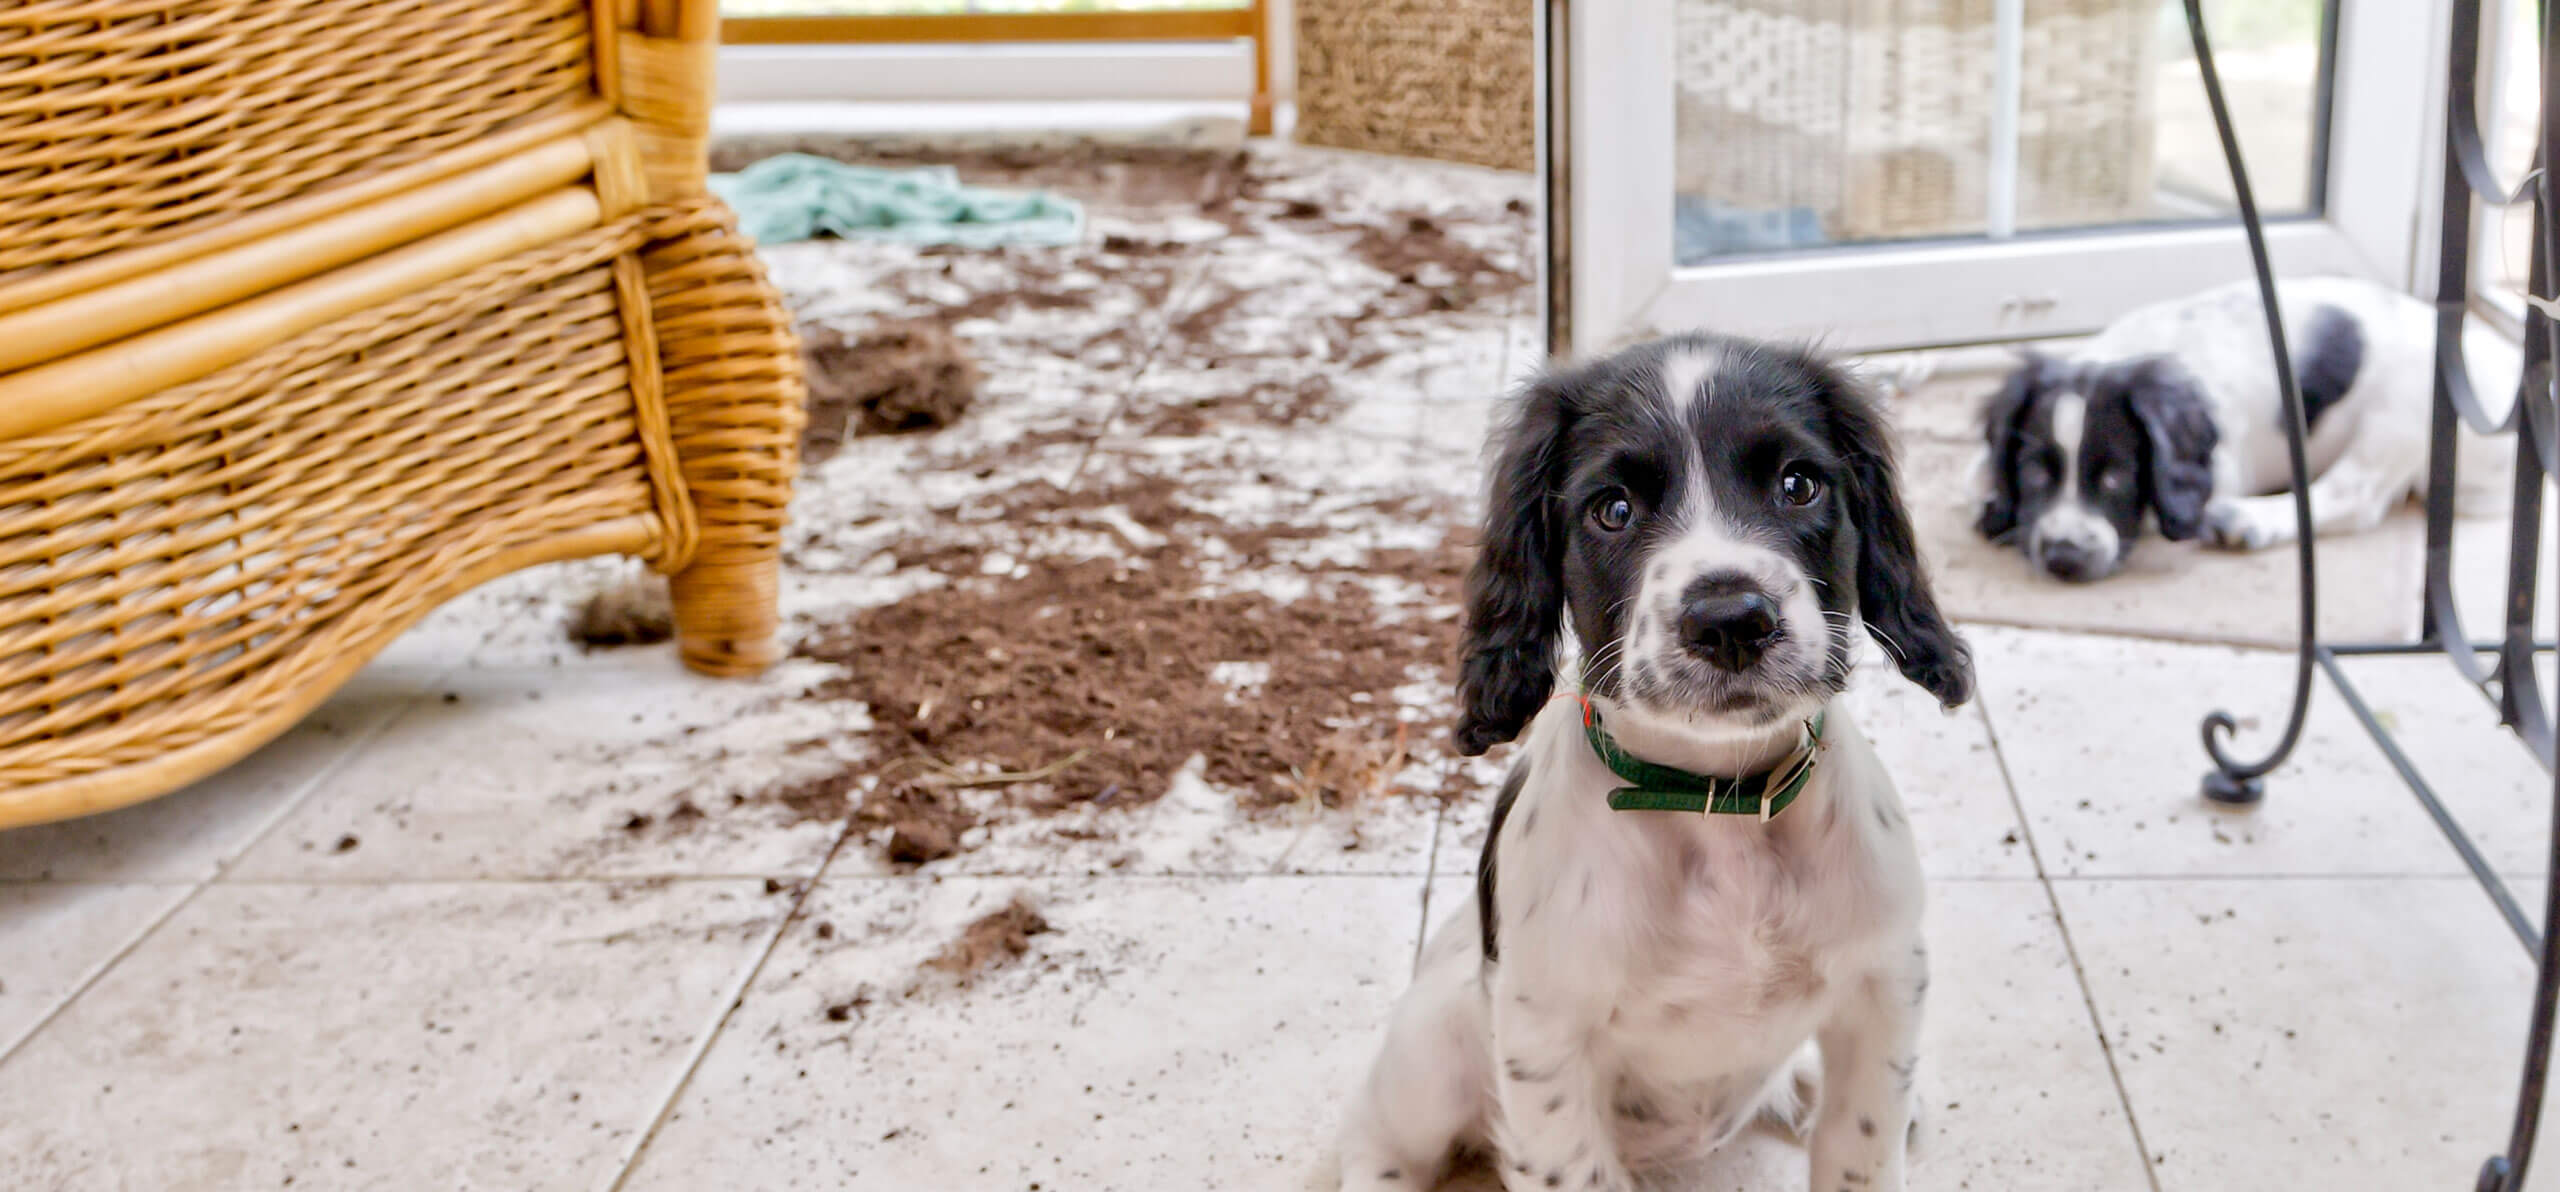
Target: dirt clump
(894, 378)
(634, 611)
(991, 942)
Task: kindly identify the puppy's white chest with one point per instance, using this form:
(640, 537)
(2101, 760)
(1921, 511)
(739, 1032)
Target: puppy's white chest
(1741, 937)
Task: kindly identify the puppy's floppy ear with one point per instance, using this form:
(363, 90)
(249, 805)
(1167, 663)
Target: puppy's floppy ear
(2178, 440)
(1515, 592)
(2000, 418)
(1894, 597)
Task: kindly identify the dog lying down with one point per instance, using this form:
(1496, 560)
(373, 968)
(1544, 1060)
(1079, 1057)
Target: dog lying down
(1699, 901)
(2173, 411)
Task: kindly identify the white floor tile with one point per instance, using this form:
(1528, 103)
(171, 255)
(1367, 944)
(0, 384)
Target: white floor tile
(2100, 735)
(55, 935)
(584, 768)
(2482, 773)
(2020, 1096)
(2348, 1034)
(187, 834)
(467, 1036)
(1191, 1033)
(1948, 775)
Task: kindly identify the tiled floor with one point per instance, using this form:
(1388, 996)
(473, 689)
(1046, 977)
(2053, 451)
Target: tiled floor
(445, 935)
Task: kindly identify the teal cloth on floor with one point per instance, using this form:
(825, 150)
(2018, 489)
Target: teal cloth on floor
(796, 196)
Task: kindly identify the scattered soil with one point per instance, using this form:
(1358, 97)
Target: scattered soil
(995, 940)
(898, 377)
(1068, 682)
(633, 612)
(1113, 177)
(1427, 265)
(1434, 270)
(1092, 681)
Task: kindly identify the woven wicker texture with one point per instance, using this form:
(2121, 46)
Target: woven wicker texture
(124, 122)
(734, 408)
(171, 570)
(1875, 115)
(1452, 80)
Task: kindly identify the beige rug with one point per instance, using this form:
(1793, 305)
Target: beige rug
(2369, 583)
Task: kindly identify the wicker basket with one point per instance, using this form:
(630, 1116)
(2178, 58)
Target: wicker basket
(1871, 119)
(1447, 79)
(317, 313)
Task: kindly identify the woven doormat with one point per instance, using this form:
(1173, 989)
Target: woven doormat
(1445, 79)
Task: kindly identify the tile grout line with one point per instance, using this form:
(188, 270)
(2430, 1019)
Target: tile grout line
(1183, 287)
(221, 867)
(710, 1036)
(1430, 878)
(2070, 947)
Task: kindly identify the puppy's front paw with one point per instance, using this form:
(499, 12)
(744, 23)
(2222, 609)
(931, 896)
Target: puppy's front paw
(2229, 525)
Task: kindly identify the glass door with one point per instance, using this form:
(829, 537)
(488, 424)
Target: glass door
(1896, 173)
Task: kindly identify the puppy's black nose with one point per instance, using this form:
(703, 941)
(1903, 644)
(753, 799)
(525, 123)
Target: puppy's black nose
(2069, 561)
(1730, 629)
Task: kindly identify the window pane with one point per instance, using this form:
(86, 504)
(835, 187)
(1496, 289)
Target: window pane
(1805, 123)
(2114, 127)
(1813, 122)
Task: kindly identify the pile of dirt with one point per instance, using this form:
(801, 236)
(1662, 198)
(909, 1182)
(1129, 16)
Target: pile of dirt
(893, 378)
(1075, 681)
(993, 941)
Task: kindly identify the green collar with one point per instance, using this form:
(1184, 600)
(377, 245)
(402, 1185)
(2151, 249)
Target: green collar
(1663, 788)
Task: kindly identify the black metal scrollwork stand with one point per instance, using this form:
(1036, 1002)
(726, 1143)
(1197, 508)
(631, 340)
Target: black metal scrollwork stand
(2511, 682)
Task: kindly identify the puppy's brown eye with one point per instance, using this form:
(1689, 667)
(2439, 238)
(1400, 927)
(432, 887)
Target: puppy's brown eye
(1612, 511)
(1799, 487)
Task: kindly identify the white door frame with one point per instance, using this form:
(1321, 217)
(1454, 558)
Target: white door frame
(1617, 145)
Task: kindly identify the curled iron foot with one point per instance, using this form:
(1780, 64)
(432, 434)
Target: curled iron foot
(2233, 791)
(2235, 783)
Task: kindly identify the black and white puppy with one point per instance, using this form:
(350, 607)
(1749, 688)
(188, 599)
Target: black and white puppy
(1715, 519)
(2173, 412)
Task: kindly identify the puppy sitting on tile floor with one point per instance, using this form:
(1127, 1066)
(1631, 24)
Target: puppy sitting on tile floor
(1699, 903)
(2172, 414)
